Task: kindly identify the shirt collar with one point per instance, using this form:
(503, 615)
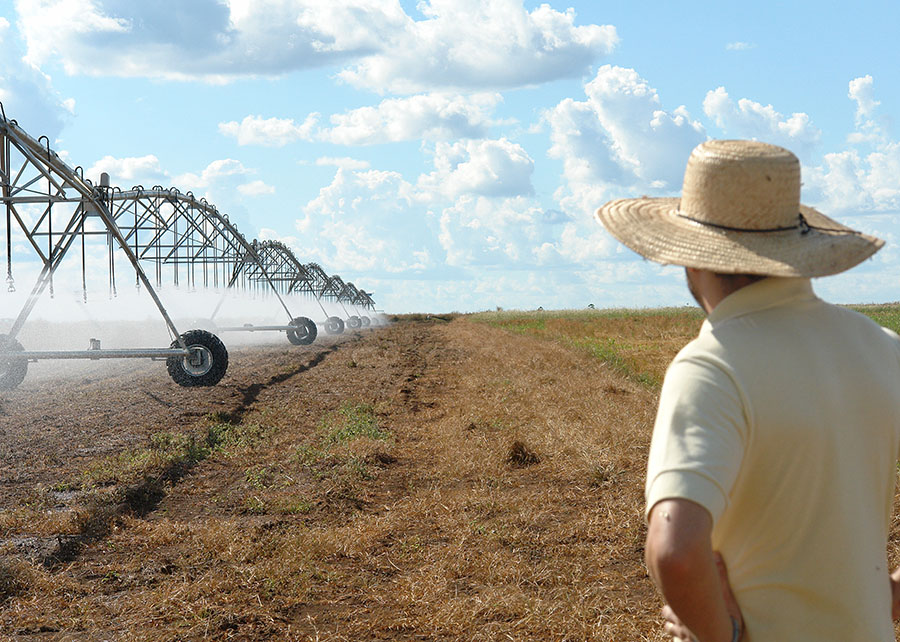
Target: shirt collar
(760, 295)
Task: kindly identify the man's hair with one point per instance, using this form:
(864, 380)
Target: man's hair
(753, 278)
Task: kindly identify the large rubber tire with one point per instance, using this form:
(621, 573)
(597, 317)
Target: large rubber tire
(313, 329)
(334, 325)
(354, 323)
(366, 321)
(205, 366)
(12, 370)
(305, 333)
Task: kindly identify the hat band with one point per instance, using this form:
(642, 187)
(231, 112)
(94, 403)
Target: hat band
(801, 225)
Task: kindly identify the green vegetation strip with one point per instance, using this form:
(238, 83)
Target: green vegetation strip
(331, 455)
(637, 344)
(169, 453)
(613, 353)
(630, 342)
(886, 315)
(351, 421)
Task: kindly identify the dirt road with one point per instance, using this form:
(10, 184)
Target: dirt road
(432, 480)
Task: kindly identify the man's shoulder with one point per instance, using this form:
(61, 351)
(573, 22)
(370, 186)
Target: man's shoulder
(856, 321)
(705, 353)
(785, 333)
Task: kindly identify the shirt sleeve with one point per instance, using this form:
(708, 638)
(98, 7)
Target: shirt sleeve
(699, 436)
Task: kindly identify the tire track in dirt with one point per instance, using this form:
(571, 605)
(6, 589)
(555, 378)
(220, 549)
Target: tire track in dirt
(382, 369)
(251, 393)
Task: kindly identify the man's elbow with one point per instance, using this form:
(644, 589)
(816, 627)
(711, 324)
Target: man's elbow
(678, 539)
(668, 562)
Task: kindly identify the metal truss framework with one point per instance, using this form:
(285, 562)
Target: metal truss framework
(310, 279)
(166, 235)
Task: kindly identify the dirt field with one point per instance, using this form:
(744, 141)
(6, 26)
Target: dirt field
(432, 480)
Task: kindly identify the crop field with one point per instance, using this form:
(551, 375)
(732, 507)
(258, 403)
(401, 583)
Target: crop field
(474, 477)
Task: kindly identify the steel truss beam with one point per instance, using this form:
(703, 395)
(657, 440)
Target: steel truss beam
(166, 236)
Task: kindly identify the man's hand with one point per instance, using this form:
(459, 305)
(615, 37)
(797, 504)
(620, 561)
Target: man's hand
(693, 582)
(679, 631)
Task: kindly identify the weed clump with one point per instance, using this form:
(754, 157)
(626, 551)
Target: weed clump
(346, 449)
(168, 454)
(226, 437)
(12, 581)
(351, 421)
(521, 456)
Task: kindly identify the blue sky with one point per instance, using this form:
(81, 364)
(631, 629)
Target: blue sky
(448, 154)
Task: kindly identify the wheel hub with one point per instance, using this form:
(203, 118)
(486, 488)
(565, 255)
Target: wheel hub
(199, 361)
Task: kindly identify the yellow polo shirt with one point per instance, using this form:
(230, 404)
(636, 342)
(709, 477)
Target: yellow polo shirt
(782, 418)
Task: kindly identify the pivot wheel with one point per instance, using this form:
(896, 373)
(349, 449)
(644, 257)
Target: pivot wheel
(334, 325)
(366, 321)
(354, 322)
(305, 331)
(204, 366)
(12, 370)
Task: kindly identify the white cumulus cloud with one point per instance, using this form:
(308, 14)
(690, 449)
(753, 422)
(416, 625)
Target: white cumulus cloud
(862, 179)
(255, 188)
(384, 48)
(205, 39)
(473, 212)
(510, 47)
(619, 141)
(128, 172)
(433, 116)
(485, 232)
(215, 171)
(862, 93)
(345, 162)
(480, 167)
(366, 221)
(869, 124)
(27, 94)
(269, 132)
(749, 119)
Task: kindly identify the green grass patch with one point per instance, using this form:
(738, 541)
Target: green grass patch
(227, 438)
(351, 421)
(167, 451)
(332, 454)
(886, 315)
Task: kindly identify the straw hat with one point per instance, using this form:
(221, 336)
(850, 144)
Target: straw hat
(739, 213)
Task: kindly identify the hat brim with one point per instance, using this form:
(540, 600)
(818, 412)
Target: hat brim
(652, 228)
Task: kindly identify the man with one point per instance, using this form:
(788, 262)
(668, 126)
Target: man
(773, 460)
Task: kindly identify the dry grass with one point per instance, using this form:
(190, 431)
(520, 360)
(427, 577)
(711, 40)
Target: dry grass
(638, 344)
(447, 481)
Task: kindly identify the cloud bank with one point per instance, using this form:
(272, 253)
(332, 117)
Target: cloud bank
(380, 45)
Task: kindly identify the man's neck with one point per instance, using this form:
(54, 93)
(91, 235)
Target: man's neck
(710, 288)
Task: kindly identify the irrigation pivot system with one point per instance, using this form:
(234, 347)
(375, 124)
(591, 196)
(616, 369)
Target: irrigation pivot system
(167, 237)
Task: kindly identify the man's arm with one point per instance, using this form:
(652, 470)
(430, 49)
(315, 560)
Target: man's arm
(681, 561)
(895, 594)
